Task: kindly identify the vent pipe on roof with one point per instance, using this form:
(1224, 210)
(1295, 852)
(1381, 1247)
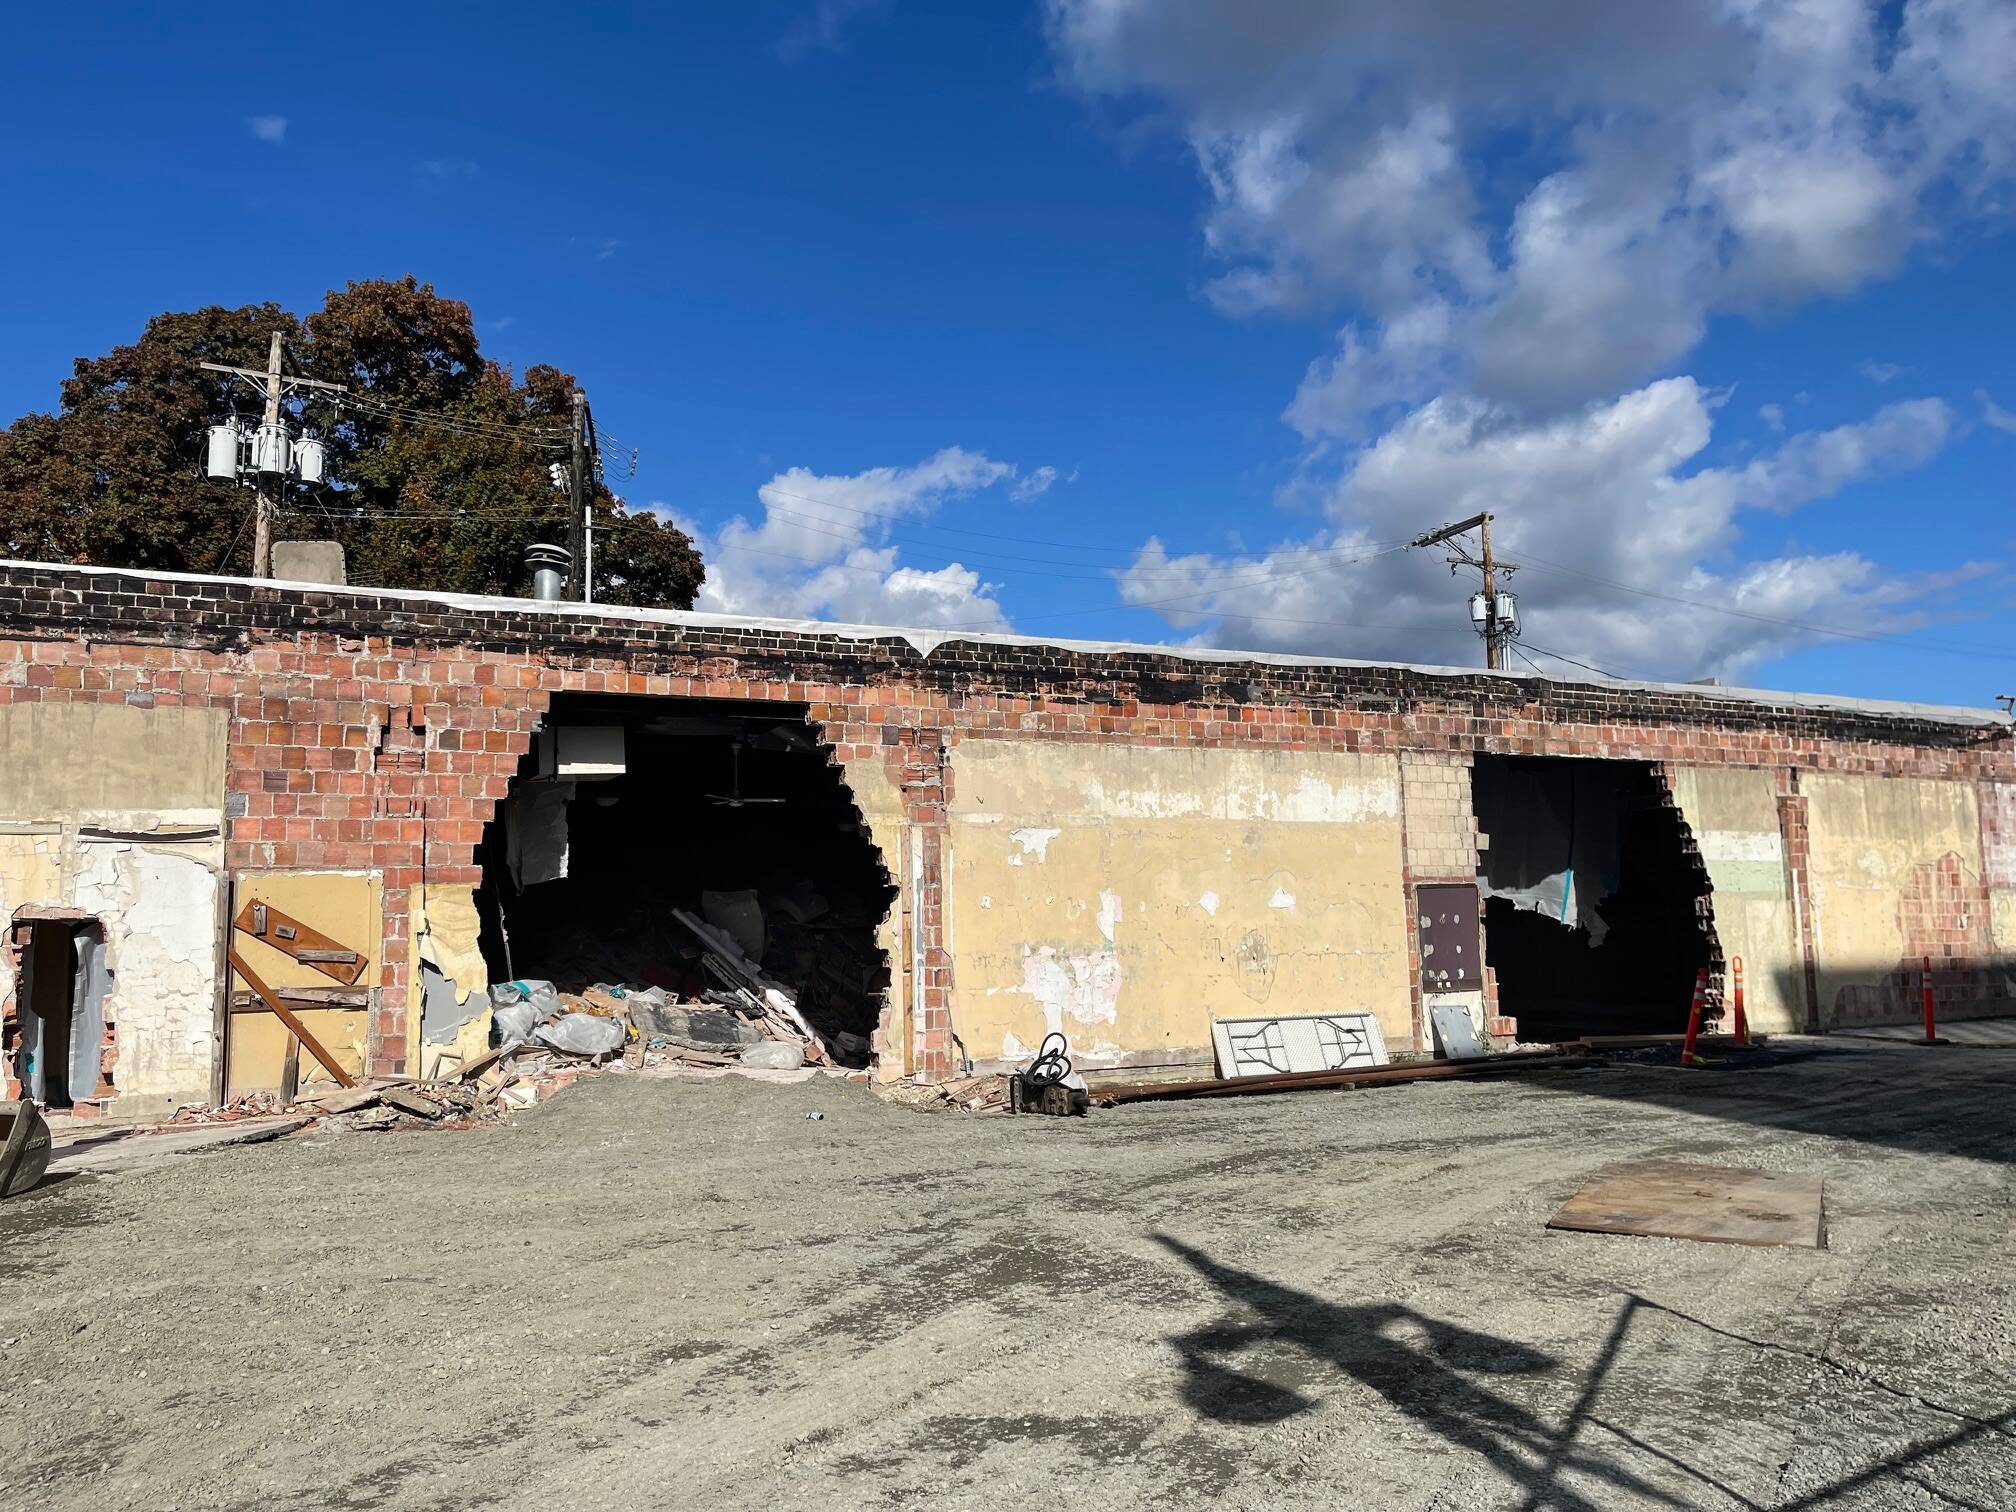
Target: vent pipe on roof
(549, 570)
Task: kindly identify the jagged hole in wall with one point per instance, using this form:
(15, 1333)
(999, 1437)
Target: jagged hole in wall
(698, 805)
(1595, 916)
(56, 1033)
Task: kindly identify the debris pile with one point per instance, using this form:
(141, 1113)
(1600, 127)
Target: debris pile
(788, 962)
(969, 1094)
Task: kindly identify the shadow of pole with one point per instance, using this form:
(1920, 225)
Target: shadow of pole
(1421, 1366)
(1417, 1363)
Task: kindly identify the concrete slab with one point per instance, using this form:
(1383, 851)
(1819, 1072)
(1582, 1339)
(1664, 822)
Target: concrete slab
(1993, 1032)
(134, 1149)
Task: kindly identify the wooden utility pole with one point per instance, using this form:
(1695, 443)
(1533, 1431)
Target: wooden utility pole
(577, 502)
(266, 485)
(1494, 628)
(262, 518)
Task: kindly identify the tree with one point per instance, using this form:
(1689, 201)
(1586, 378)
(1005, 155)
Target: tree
(438, 457)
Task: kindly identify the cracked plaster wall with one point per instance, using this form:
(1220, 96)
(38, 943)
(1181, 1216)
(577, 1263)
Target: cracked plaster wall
(117, 812)
(1128, 895)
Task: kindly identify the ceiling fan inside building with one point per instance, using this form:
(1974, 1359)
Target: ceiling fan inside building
(734, 797)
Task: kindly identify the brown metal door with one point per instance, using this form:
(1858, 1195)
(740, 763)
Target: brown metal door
(1452, 950)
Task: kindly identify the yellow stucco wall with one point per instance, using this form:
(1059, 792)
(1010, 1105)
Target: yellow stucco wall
(1733, 812)
(91, 763)
(1129, 895)
(880, 801)
(1867, 836)
(117, 812)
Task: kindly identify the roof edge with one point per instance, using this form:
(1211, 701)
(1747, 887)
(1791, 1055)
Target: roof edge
(926, 640)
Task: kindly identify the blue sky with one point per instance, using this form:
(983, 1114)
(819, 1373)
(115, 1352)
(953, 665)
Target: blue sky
(1162, 322)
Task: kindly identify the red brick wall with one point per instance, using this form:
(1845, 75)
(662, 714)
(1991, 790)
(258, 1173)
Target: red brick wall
(380, 731)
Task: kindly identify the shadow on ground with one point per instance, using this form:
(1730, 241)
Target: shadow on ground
(1861, 1097)
(1425, 1368)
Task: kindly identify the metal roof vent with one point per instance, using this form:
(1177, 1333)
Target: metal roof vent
(549, 566)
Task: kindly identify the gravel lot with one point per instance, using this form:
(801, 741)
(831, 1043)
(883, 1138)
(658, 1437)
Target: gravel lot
(654, 1293)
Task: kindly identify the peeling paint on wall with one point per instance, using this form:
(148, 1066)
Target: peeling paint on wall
(159, 908)
(1033, 842)
(1216, 879)
(116, 812)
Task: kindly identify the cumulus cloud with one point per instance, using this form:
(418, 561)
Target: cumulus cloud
(1610, 494)
(1519, 221)
(821, 548)
(1678, 161)
(271, 129)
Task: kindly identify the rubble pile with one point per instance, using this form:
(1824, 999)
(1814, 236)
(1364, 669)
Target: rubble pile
(787, 962)
(969, 1094)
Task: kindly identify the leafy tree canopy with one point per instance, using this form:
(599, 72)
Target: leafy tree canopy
(438, 457)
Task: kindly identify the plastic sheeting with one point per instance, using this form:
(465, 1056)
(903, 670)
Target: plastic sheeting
(535, 832)
(1556, 837)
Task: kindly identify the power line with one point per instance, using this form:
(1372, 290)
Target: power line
(1568, 659)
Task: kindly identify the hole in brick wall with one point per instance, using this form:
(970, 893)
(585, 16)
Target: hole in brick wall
(733, 811)
(55, 1034)
(1595, 907)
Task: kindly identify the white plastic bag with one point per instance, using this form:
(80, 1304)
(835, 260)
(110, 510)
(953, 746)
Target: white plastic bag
(582, 1034)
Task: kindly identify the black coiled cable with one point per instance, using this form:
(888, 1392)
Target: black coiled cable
(1051, 1065)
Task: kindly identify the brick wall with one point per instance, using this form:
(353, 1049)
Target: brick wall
(379, 731)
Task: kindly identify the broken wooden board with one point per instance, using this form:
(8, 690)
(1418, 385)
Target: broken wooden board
(1670, 1199)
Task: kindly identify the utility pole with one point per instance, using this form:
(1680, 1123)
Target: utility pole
(577, 502)
(262, 518)
(1496, 625)
(274, 451)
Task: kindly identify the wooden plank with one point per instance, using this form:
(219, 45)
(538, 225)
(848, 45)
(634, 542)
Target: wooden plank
(1371, 1076)
(311, 999)
(303, 942)
(1667, 1199)
(294, 1025)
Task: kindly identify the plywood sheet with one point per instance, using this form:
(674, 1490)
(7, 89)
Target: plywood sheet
(1665, 1199)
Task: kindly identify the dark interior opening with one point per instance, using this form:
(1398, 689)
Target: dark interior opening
(706, 800)
(1591, 916)
(59, 1007)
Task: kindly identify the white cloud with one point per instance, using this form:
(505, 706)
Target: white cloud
(271, 129)
(1993, 413)
(1678, 162)
(1879, 372)
(444, 170)
(1773, 415)
(1610, 493)
(821, 548)
(821, 28)
(1818, 463)
(1033, 485)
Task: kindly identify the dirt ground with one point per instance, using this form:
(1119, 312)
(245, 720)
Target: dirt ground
(667, 1294)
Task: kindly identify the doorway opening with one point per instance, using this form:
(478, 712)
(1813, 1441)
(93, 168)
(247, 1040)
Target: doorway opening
(1596, 908)
(627, 809)
(56, 1042)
